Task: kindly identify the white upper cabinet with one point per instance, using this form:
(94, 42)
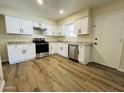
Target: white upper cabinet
(48, 30)
(69, 30)
(51, 30)
(37, 24)
(55, 31)
(82, 26)
(16, 25)
(61, 30)
(12, 25)
(27, 27)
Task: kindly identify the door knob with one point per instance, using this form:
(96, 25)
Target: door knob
(95, 43)
(96, 39)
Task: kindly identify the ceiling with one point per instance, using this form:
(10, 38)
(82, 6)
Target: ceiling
(50, 8)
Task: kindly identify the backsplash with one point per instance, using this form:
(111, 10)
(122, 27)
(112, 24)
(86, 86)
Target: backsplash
(84, 38)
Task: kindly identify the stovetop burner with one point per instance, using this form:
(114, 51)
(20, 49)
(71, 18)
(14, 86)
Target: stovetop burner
(39, 40)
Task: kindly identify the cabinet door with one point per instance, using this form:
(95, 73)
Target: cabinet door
(61, 30)
(49, 30)
(65, 50)
(15, 53)
(53, 48)
(37, 24)
(78, 27)
(27, 27)
(81, 55)
(55, 31)
(60, 49)
(82, 26)
(29, 51)
(85, 25)
(12, 25)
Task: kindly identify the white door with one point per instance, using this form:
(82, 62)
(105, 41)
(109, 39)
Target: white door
(12, 25)
(108, 34)
(27, 27)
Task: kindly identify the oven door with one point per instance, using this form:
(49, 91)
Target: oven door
(42, 48)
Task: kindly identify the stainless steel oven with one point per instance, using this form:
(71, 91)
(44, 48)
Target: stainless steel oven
(42, 47)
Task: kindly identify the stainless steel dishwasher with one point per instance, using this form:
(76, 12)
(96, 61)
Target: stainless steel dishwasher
(73, 52)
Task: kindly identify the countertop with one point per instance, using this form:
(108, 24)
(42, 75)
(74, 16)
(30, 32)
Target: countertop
(18, 43)
(74, 43)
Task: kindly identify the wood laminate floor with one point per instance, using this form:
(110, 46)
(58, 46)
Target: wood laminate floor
(56, 73)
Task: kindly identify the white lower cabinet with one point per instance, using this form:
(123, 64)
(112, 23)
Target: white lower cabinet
(63, 50)
(59, 48)
(21, 52)
(84, 56)
(53, 48)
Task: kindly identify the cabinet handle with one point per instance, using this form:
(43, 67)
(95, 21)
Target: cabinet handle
(61, 48)
(15, 46)
(22, 30)
(23, 51)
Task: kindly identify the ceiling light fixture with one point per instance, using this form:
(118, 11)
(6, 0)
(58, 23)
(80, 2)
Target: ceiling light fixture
(61, 11)
(40, 2)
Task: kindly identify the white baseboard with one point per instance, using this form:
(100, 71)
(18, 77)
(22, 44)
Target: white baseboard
(2, 85)
(121, 70)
